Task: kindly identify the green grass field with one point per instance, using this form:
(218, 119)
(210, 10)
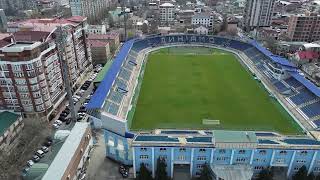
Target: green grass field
(179, 91)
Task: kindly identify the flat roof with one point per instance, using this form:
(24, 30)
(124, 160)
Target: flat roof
(6, 120)
(64, 156)
(222, 136)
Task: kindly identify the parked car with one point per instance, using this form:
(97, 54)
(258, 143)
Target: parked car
(58, 122)
(35, 158)
(30, 163)
(68, 121)
(56, 126)
(124, 171)
(40, 153)
(45, 149)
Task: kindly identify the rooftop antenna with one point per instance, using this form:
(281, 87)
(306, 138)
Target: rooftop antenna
(61, 38)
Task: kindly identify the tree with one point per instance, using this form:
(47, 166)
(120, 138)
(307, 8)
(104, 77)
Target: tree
(144, 173)
(205, 173)
(110, 21)
(311, 176)
(265, 174)
(301, 174)
(145, 28)
(161, 172)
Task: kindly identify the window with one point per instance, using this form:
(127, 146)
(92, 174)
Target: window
(144, 156)
(283, 152)
(163, 149)
(301, 161)
(222, 158)
(181, 158)
(304, 153)
(316, 169)
(242, 151)
(201, 158)
(202, 150)
(163, 157)
(182, 149)
(143, 149)
(263, 152)
(240, 159)
(200, 166)
(222, 151)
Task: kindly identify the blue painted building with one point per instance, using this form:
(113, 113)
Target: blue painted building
(226, 148)
(110, 109)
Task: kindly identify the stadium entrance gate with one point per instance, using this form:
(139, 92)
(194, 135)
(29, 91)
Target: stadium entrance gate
(181, 171)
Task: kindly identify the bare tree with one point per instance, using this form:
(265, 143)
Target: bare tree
(33, 133)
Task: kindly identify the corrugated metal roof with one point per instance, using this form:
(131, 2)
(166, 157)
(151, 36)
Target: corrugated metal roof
(64, 156)
(99, 96)
(277, 59)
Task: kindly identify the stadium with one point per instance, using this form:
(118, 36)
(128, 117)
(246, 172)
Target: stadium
(196, 100)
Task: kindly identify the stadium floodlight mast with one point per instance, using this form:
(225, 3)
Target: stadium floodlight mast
(123, 13)
(61, 38)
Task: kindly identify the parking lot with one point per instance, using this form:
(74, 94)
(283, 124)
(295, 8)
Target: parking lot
(49, 148)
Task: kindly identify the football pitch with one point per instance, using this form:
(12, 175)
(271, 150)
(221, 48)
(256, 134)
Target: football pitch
(183, 87)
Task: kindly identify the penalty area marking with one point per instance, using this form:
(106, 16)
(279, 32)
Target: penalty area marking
(210, 122)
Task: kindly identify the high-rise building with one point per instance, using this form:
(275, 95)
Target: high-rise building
(94, 10)
(166, 12)
(304, 27)
(3, 21)
(31, 79)
(258, 13)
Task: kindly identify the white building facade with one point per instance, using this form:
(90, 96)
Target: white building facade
(202, 19)
(166, 12)
(258, 13)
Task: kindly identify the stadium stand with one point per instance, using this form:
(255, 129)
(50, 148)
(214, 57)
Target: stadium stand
(312, 110)
(281, 87)
(302, 97)
(293, 82)
(121, 71)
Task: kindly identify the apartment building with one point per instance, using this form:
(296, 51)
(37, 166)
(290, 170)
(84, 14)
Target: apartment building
(94, 10)
(166, 12)
(203, 19)
(258, 13)
(304, 27)
(31, 78)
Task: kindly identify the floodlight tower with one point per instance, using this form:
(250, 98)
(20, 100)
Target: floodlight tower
(61, 38)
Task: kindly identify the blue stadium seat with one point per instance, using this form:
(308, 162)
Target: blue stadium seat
(312, 110)
(281, 87)
(302, 97)
(111, 108)
(115, 96)
(293, 82)
(125, 74)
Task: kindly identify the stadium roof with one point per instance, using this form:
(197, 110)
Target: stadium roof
(277, 59)
(222, 136)
(65, 155)
(99, 96)
(103, 72)
(6, 120)
(313, 88)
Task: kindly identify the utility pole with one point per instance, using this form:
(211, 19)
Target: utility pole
(61, 38)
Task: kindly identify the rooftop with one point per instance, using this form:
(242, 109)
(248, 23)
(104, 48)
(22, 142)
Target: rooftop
(46, 25)
(166, 5)
(6, 120)
(103, 36)
(97, 43)
(222, 136)
(64, 156)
